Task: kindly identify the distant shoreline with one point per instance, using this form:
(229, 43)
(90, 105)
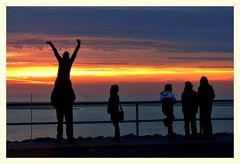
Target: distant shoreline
(101, 102)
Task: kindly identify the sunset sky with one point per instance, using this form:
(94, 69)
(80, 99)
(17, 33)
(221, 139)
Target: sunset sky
(139, 48)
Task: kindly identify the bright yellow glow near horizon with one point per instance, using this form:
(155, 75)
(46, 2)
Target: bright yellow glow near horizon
(41, 75)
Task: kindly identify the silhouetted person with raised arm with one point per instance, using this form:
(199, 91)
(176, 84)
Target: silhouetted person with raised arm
(189, 109)
(206, 96)
(113, 109)
(63, 96)
(168, 100)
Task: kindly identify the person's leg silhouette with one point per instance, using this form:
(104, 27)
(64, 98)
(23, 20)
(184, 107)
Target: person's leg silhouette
(69, 123)
(117, 131)
(59, 124)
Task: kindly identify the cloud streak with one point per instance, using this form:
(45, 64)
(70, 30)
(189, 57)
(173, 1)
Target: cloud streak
(203, 58)
(207, 28)
(109, 51)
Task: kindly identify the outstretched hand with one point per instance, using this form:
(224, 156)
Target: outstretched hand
(49, 42)
(79, 42)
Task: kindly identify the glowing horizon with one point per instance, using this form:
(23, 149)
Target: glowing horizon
(31, 63)
(135, 47)
(46, 74)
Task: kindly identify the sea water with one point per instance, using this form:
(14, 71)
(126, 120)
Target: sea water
(99, 113)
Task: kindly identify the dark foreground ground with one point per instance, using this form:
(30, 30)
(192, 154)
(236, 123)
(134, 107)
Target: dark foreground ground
(221, 145)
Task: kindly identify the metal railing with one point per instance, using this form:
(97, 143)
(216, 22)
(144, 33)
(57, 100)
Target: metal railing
(38, 105)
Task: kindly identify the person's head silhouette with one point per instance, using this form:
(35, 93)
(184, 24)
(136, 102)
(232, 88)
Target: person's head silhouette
(204, 81)
(188, 85)
(66, 55)
(168, 87)
(114, 89)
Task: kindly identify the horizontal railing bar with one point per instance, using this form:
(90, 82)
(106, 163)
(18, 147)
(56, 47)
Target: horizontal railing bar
(47, 106)
(97, 103)
(97, 122)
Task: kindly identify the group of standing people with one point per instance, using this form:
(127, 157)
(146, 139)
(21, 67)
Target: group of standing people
(191, 101)
(63, 96)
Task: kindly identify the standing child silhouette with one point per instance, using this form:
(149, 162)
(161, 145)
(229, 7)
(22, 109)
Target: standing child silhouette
(63, 96)
(113, 109)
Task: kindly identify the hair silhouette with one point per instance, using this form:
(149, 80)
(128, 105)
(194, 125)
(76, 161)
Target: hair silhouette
(168, 87)
(63, 96)
(206, 96)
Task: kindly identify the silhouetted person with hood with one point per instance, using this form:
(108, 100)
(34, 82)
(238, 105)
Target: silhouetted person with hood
(113, 109)
(168, 100)
(206, 96)
(63, 96)
(189, 109)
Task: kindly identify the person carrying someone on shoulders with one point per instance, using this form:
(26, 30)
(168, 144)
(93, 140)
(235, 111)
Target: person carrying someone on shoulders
(168, 100)
(189, 109)
(63, 96)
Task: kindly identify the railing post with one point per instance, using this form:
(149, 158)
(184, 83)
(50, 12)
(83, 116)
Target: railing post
(31, 117)
(137, 123)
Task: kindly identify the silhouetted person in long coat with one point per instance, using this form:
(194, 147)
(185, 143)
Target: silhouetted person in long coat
(168, 100)
(113, 109)
(206, 96)
(63, 96)
(189, 109)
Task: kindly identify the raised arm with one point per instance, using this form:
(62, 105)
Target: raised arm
(54, 50)
(76, 50)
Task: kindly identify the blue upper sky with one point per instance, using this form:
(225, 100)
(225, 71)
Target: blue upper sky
(205, 28)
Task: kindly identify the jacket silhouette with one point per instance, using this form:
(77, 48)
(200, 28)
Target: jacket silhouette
(189, 109)
(168, 100)
(63, 96)
(206, 96)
